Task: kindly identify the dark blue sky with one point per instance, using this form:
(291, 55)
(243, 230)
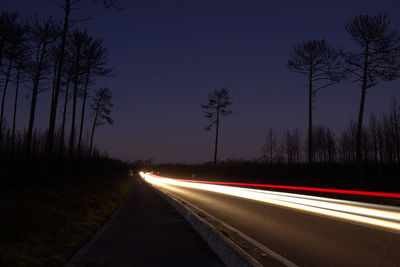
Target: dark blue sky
(169, 54)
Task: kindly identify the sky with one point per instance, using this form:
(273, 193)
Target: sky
(167, 56)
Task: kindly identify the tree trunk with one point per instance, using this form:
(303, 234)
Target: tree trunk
(83, 111)
(35, 89)
(270, 146)
(310, 104)
(3, 100)
(54, 100)
(15, 108)
(216, 137)
(54, 78)
(75, 95)
(396, 131)
(64, 117)
(93, 127)
(361, 112)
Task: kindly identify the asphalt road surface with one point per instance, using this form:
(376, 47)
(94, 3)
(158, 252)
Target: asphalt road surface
(304, 238)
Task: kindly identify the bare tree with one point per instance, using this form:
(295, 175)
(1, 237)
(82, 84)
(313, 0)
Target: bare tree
(270, 147)
(64, 112)
(347, 144)
(21, 55)
(374, 132)
(218, 102)
(76, 48)
(324, 144)
(322, 66)
(9, 42)
(394, 115)
(43, 33)
(291, 145)
(101, 106)
(66, 6)
(378, 58)
(94, 61)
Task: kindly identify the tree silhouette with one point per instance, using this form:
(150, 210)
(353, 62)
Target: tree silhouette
(66, 6)
(76, 47)
(270, 148)
(10, 39)
(322, 66)
(291, 144)
(218, 101)
(94, 61)
(378, 58)
(68, 73)
(43, 33)
(101, 107)
(21, 55)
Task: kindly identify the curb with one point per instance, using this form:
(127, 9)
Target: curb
(230, 253)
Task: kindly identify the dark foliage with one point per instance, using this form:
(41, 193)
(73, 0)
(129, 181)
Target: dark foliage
(30, 61)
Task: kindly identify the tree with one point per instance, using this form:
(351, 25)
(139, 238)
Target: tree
(324, 144)
(21, 55)
(43, 33)
(9, 42)
(76, 48)
(218, 102)
(322, 66)
(291, 144)
(64, 112)
(101, 106)
(394, 115)
(94, 61)
(270, 147)
(347, 144)
(66, 6)
(378, 59)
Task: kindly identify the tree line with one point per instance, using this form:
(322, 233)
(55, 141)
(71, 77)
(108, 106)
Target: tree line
(377, 59)
(380, 143)
(284, 158)
(40, 56)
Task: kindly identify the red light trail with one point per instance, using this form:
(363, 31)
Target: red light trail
(315, 189)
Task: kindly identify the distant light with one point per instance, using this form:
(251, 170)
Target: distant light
(372, 214)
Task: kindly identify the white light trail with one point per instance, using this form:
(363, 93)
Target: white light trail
(377, 215)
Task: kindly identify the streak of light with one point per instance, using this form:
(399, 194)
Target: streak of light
(376, 215)
(315, 189)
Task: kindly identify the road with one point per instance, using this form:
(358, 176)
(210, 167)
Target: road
(303, 237)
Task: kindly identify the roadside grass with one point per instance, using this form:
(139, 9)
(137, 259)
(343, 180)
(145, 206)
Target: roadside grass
(45, 225)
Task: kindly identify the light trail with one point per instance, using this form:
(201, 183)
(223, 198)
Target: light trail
(314, 189)
(372, 214)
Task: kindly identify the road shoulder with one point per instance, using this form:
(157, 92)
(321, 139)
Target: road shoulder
(145, 231)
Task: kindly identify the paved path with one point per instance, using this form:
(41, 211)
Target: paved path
(146, 231)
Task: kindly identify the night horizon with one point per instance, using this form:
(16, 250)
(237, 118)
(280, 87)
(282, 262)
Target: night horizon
(167, 57)
(199, 133)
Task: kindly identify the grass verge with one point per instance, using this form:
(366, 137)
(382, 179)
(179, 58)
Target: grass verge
(45, 225)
